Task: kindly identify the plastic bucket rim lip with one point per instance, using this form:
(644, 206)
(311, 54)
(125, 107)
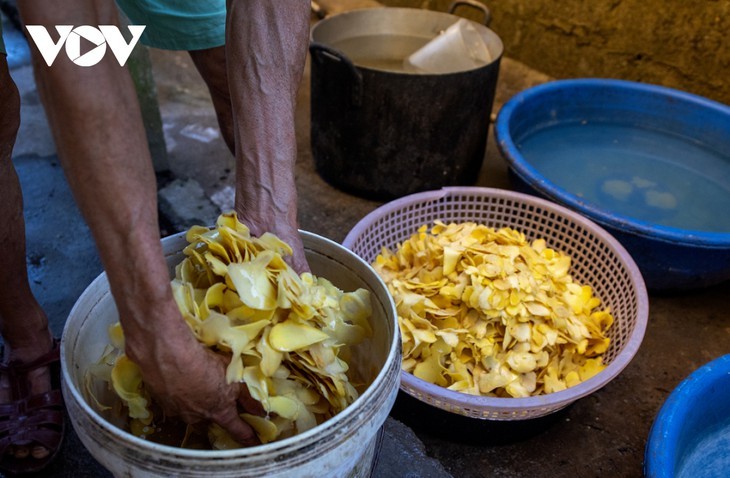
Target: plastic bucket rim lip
(534, 178)
(295, 442)
(661, 447)
(361, 11)
(563, 397)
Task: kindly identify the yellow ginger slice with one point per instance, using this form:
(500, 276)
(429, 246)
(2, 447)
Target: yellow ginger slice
(127, 382)
(290, 336)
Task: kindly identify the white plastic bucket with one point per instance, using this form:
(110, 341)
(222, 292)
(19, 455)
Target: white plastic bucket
(345, 445)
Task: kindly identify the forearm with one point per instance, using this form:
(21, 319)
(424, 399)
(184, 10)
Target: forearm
(266, 50)
(98, 131)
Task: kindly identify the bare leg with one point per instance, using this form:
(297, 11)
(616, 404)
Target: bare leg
(211, 65)
(23, 323)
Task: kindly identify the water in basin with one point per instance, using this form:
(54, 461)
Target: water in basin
(643, 174)
(710, 458)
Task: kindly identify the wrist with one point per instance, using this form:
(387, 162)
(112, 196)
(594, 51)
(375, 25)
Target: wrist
(158, 338)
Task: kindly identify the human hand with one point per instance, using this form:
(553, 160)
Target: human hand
(298, 259)
(188, 380)
(285, 231)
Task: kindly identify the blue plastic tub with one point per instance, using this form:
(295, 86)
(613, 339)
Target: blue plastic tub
(691, 434)
(650, 164)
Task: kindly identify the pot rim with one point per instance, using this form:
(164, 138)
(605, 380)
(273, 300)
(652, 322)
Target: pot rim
(494, 42)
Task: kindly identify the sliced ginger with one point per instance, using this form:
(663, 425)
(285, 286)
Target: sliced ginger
(486, 312)
(286, 333)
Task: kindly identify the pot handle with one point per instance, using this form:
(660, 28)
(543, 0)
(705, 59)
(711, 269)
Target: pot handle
(321, 52)
(474, 4)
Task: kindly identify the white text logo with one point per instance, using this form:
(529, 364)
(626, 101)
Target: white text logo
(71, 37)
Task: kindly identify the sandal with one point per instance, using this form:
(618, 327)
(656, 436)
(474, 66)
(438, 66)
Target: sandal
(31, 421)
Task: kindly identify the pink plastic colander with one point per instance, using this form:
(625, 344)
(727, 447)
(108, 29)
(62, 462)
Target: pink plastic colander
(597, 260)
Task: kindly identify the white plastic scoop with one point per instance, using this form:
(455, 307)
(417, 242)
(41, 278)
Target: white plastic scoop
(458, 48)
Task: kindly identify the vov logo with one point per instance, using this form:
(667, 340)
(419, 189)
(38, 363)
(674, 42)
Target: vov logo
(71, 36)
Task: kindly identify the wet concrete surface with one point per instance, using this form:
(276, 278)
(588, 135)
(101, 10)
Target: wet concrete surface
(603, 434)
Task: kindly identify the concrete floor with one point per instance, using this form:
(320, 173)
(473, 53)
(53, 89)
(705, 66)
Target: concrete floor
(601, 435)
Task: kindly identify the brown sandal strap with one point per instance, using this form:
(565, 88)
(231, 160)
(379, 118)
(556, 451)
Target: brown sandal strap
(21, 431)
(17, 371)
(47, 400)
(37, 420)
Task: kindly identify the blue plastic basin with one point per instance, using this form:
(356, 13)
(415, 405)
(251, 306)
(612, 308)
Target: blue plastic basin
(691, 434)
(650, 164)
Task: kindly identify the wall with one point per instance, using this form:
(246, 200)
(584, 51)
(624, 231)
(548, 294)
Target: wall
(678, 43)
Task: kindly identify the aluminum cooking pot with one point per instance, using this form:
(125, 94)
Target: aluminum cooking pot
(381, 130)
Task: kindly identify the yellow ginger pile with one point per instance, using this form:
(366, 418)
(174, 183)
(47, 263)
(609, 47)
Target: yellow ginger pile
(486, 312)
(287, 334)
